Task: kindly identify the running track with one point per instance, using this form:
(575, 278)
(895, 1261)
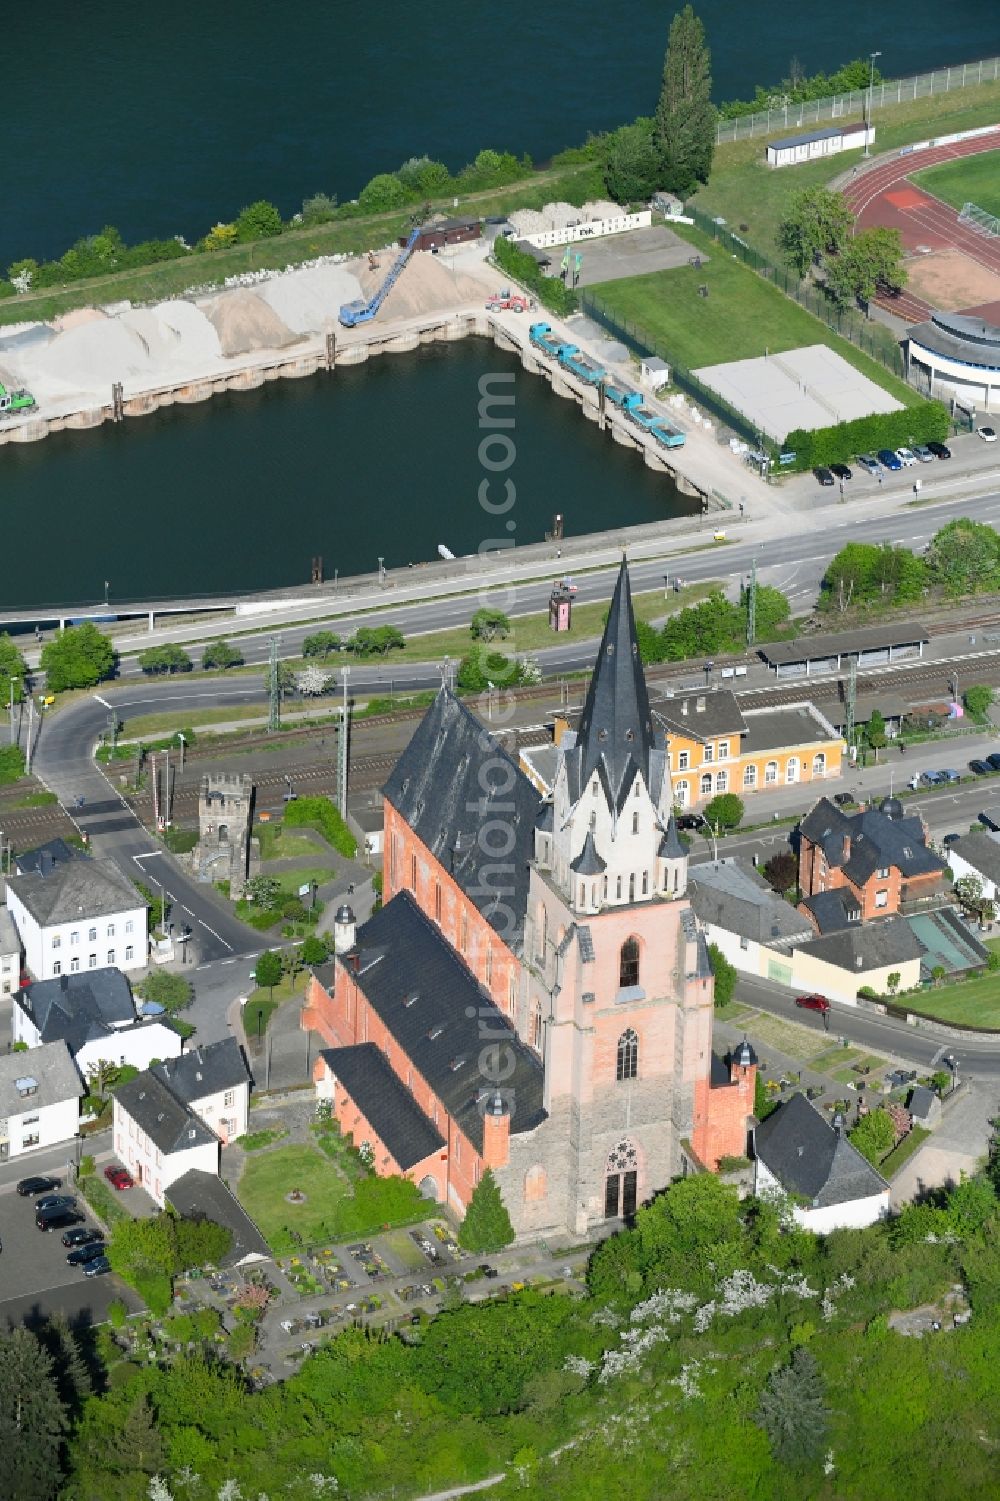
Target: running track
(920, 219)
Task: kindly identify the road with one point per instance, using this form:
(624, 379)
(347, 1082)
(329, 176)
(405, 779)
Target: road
(64, 763)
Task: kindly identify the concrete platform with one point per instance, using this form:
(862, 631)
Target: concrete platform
(636, 253)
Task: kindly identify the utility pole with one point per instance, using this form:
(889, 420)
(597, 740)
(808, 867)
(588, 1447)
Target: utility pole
(273, 689)
(166, 789)
(13, 721)
(182, 742)
(871, 92)
(852, 690)
(31, 727)
(752, 605)
(343, 750)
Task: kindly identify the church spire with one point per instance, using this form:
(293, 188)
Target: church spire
(616, 728)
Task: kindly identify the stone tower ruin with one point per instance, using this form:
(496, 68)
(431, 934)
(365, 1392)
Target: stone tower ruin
(225, 850)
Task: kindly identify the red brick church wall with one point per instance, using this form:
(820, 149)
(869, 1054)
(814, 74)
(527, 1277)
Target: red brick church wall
(721, 1116)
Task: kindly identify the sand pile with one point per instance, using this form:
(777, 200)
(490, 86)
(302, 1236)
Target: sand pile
(197, 339)
(244, 322)
(91, 355)
(427, 285)
(76, 317)
(161, 342)
(309, 300)
(601, 208)
(532, 221)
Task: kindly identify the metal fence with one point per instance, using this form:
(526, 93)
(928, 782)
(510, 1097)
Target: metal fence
(873, 339)
(784, 115)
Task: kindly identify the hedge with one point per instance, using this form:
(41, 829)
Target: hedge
(548, 289)
(926, 421)
(320, 814)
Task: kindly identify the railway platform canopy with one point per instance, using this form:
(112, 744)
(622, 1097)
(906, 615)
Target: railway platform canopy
(869, 646)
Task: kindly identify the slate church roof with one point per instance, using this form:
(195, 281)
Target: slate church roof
(442, 1018)
(616, 736)
(812, 1159)
(385, 1102)
(444, 785)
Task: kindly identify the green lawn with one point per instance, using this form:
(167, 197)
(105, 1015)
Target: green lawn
(333, 1209)
(290, 880)
(742, 317)
(974, 179)
(911, 1142)
(974, 1002)
(277, 844)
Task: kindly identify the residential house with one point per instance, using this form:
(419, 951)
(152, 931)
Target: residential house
(76, 914)
(755, 928)
(40, 1097)
(10, 954)
(858, 957)
(977, 855)
(157, 1137)
(535, 996)
(879, 855)
(214, 1082)
(94, 1014)
(830, 1186)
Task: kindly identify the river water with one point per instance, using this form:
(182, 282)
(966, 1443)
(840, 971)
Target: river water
(241, 491)
(164, 119)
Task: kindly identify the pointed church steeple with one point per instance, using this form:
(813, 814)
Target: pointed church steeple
(615, 736)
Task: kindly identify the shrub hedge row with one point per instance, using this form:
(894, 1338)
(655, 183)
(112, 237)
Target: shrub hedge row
(548, 289)
(838, 445)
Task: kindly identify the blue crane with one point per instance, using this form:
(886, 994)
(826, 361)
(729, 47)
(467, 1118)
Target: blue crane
(363, 312)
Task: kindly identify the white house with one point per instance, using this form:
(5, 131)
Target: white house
(39, 1099)
(829, 1184)
(157, 1137)
(75, 913)
(214, 1082)
(171, 1119)
(10, 954)
(754, 928)
(94, 1014)
(977, 855)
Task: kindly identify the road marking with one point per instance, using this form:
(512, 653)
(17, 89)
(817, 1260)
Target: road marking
(139, 858)
(101, 700)
(216, 936)
(223, 961)
(188, 911)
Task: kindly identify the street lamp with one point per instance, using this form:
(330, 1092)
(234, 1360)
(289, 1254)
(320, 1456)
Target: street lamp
(381, 570)
(708, 673)
(107, 587)
(871, 90)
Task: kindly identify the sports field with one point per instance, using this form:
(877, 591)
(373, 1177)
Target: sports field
(975, 179)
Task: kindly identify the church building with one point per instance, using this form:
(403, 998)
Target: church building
(535, 995)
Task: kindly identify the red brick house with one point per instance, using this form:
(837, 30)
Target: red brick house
(535, 996)
(875, 860)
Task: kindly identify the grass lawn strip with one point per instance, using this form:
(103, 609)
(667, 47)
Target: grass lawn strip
(911, 1142)
(971, 179)
(788, 1037)
(404, 1249)
(277, 843)
(743, 317)
(973, 1003)
(268, 1177)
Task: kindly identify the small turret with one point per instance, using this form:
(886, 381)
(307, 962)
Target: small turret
(671, 862)
(345, 930)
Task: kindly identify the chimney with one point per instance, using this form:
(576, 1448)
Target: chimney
(847, 847)
(684, 707)
(859, 962)
(699, 705)
(496, 1130)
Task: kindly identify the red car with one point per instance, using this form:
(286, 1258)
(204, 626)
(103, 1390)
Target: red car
(813, 1002)
(118, 1177)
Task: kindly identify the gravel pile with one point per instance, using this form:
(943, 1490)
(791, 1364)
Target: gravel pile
(197, 339)
(244, 322)
(428, 285)
(88, 356)
(531, 221)
(308, 301)
(601, 208)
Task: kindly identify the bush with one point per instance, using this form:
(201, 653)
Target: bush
(725, 811)
(319, 813)
(259, 221)
(520, 267)
(86, 1166)
(11, 764)
(156, 1291)
(172, 992)
(839, 444)
(221, 655)
(978, 697)
(384, 192)
(725, 975)
(117, 1313)
(487, 1225)
(79, 657)
(164, 659)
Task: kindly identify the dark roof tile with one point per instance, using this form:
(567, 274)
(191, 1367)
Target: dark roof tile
(385, 1102)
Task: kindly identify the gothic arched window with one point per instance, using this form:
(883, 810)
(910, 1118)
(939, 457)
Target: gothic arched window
(628, 1056)
(628, 967)
(535, 1027)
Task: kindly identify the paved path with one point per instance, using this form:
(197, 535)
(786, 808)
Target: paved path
(955, 1149)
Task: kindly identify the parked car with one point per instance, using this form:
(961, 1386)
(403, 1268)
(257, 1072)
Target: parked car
(950, 839)
(119, 1177)
(844, 799)
(97, 1267)
(932, 778)
(869, 463)
(54, 1201)
(939, 450)
(487, 1270)
(981, 768)
(34, 1186)
(690, 821)
(888, 459)
(823, 475)
(994, 761)
(988, 434)
(950, 775)
(924, 453)
(57, 1219)
(842, 471)
(906, 457)
(812, 1002)
(83, 1254)
(84, 1235)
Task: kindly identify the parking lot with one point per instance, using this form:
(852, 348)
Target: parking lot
(635, 253)
(35, 1279)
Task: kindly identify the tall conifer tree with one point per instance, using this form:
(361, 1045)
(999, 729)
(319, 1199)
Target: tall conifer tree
(685, 115)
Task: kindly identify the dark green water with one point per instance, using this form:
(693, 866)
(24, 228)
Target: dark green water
(163, 119)
(241, 491)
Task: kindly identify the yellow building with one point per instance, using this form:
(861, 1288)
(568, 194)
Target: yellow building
(716, 746)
